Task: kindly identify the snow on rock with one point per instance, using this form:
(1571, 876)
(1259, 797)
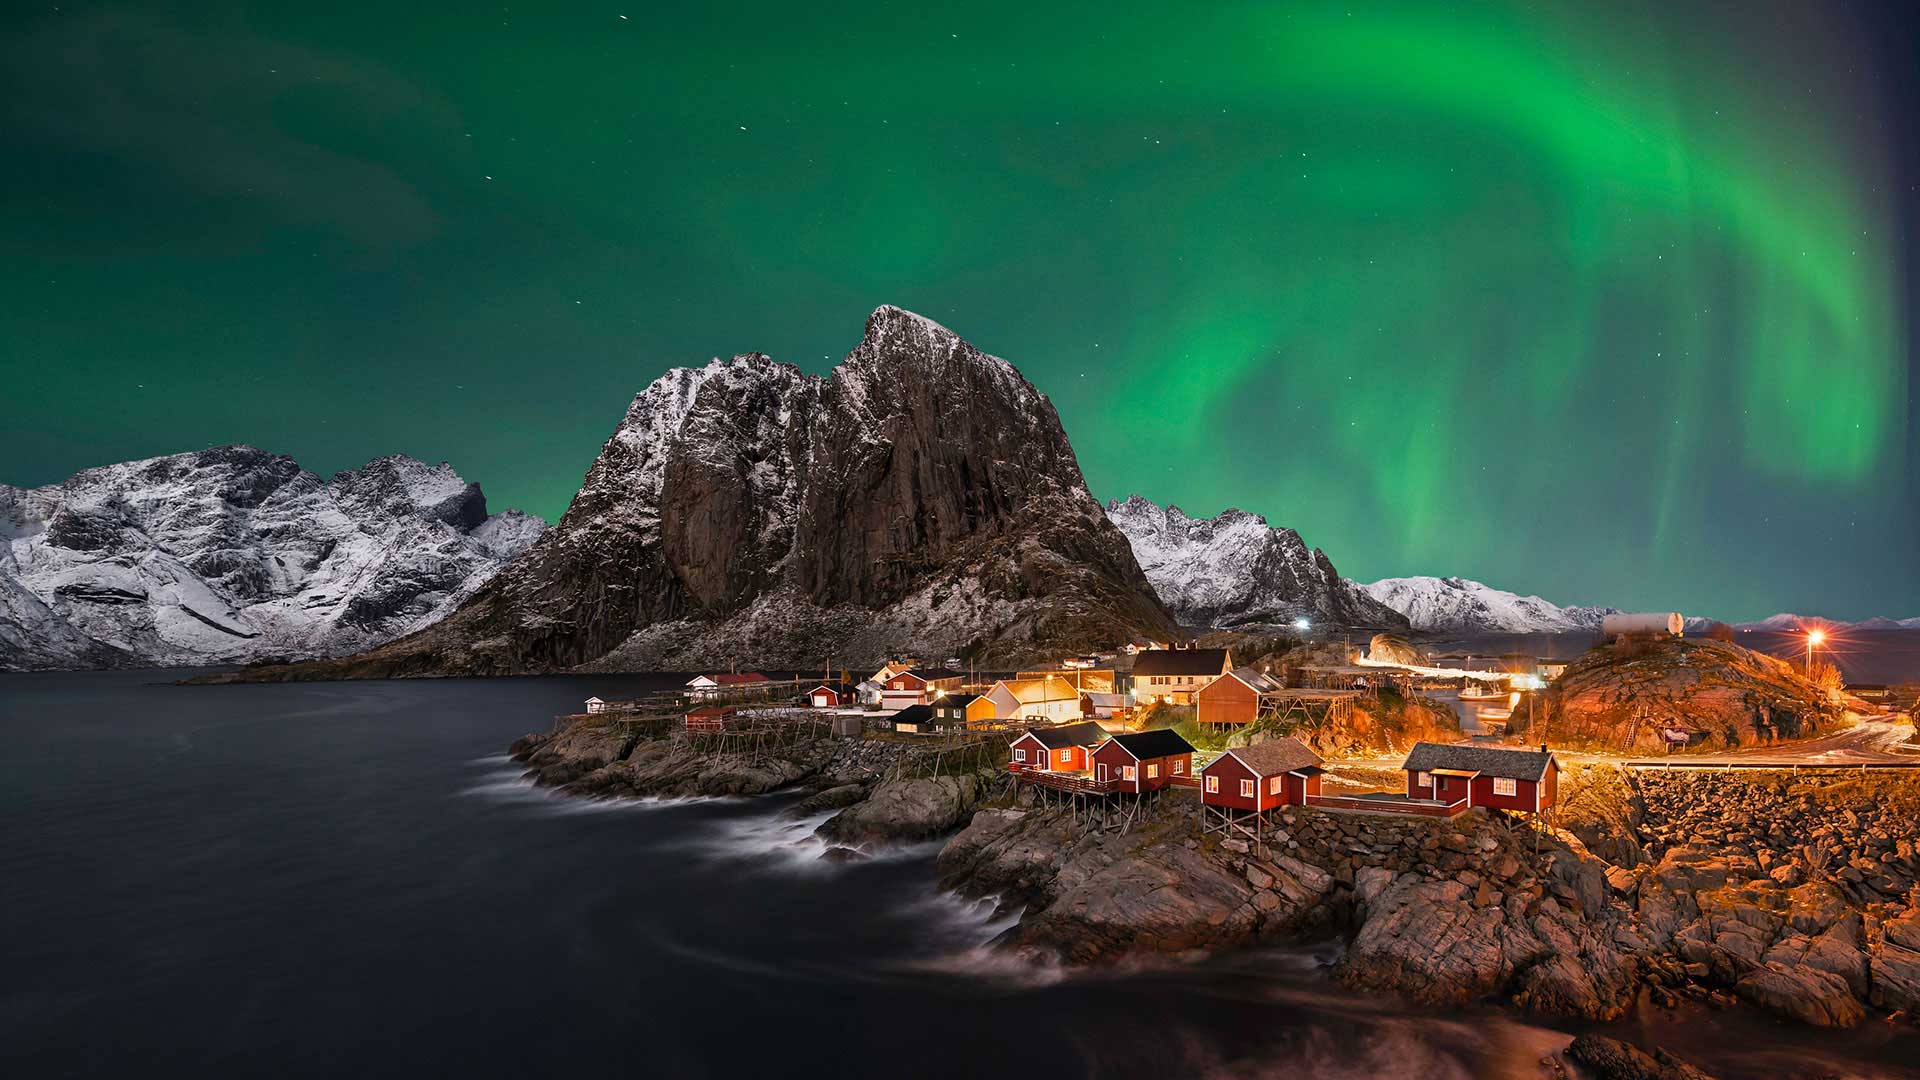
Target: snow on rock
(1456, 605)
(1235, 570)
(234, 554)
(922, 494)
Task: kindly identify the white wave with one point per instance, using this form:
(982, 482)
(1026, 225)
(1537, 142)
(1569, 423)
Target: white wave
(512, 786)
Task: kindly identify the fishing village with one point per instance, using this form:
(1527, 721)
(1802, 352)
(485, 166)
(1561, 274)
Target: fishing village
(1718, 829)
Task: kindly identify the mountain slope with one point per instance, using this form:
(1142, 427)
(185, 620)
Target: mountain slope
(1457, 605)
(922, 498)
(234, 554)
(1234, 570)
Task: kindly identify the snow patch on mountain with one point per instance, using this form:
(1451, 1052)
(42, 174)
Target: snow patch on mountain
(1235, 570)
(233, 554)
(1458, 605)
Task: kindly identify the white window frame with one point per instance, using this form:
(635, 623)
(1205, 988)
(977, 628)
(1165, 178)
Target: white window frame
(1129, 773)
(1246, 789)
(1066, 756)
(1423, 779)
(1213, 785)
(1506, 785)
(1019, 753)
(1273, 785)
(1179, 766)
(1153, 771)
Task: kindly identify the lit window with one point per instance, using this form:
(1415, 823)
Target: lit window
(1213, 784)
(1153, 771)
(1505, 786)
(1127, 773)
(1273, 786)
(1246, 789)
(1423, 779)
(1019, 755)
(1179, 766)
(1066, 756)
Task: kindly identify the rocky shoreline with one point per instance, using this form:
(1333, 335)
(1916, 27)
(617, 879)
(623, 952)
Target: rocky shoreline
(1799, 895)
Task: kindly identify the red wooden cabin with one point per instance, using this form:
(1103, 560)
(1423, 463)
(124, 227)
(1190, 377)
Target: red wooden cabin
(824, 697)
(709, 717)
(1066, 748)
(1278, 772)
(1233, 698)
(1142, 761)
(1494, 777)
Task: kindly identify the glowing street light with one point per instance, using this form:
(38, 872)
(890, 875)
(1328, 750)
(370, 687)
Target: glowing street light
(1814, 638)
(1301, 624)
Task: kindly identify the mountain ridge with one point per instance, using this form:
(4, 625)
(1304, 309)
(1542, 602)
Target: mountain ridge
(234, 554)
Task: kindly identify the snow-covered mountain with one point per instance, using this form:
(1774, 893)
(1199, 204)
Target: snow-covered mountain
(234, 554)
(1459, 606)
(922, 498)
(1235, 570)
(1788, 621)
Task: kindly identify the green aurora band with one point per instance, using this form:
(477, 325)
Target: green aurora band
(1600, 302)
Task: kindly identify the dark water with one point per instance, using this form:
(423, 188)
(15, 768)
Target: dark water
(348, 879)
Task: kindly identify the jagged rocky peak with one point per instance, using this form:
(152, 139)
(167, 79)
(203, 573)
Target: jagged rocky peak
(922, 497)
(1458, 605)
(234, 554)
(1235, 570)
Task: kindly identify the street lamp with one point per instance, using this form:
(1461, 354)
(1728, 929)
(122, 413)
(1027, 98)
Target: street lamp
(1814, 638)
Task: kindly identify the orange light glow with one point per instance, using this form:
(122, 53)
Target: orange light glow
(1816, 636)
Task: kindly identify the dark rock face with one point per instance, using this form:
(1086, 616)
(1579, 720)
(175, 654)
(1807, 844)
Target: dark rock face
(1611, 1059)
(922, 498)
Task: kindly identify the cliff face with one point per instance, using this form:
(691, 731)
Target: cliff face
(1234, 570)
(233, 554)
(922, 498)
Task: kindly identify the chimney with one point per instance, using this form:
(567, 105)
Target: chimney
(1543, 748)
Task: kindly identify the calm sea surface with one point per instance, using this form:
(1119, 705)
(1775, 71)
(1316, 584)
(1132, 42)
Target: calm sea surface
(350, 879)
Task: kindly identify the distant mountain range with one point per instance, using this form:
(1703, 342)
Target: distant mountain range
(922, 498)
(1788, 621)
(1460, 606)
(1234, 571)
(234, 554)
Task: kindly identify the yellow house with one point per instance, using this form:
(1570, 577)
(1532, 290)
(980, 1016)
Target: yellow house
(980, 711)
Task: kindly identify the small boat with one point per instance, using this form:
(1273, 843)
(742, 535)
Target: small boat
(1480, 692)
(1489, 714)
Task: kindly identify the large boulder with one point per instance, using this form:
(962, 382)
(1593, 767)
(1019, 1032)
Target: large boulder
(1610, 1059)
(912, 809)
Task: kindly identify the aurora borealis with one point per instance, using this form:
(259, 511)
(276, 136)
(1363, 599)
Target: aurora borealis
(1611, 303)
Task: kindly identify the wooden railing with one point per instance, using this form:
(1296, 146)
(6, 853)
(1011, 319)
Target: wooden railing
(1077, 783)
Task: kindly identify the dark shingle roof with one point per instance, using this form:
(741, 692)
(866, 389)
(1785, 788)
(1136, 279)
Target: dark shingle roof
(913, 714)
(1085, 733)
(1486, 760)
(1180, 662)
(1276, 756)
(961, 700)
(936, 674)
(1162, 742)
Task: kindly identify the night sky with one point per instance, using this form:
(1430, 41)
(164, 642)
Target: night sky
(1610, 303)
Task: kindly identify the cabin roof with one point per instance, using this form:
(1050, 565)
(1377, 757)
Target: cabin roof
(934, 674)
(1257, 680)
(1484, 760)
(1031, 691)
(1275, 756)
(962, 700)
(712, 710)
(1106, 700)
(1180, 662)
(1161, 742)
(1084, 733)
(913, 714)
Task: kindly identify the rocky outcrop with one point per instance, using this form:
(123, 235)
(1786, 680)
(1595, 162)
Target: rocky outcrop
(922, 498)
(234, 554)
(1610, 1059)
(1629, 696)
(916, 808)
(1234, 571)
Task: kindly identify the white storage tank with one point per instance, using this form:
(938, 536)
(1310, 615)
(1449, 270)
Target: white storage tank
(1657, 622)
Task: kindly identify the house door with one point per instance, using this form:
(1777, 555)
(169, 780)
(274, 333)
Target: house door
(1102, 773)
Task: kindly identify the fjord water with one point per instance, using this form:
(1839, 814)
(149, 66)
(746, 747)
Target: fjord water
(350, 878)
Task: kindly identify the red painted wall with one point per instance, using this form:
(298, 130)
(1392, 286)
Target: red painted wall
(1225, 701)
(1115, 759)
